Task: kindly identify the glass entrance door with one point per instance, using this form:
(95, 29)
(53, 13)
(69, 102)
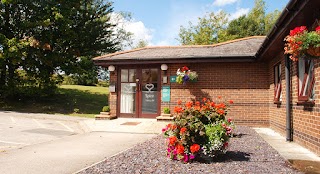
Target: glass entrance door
(149, 92)
(139, 92)
(128, 92)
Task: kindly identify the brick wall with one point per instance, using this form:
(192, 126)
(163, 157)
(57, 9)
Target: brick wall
(306, 118)
(113, 95)
(244, 83)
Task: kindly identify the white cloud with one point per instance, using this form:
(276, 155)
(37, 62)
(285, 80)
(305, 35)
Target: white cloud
(139, 30)
(238, 13)
(224, 2)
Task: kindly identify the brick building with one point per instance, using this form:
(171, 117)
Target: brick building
(254, 72)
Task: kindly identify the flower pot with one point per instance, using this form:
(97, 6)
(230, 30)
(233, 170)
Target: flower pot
(166, 115)
(314, 51)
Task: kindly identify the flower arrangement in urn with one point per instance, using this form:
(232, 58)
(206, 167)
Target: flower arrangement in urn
(184, 74)
(301, 42)
(199, 131)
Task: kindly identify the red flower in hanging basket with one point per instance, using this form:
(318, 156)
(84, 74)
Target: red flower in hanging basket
(302, 42)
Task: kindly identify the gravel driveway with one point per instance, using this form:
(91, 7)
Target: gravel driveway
(248, 153)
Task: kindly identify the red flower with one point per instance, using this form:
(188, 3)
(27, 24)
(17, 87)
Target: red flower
(197, 103)
(231, 101)
(298, 30)
(212, 104)
(178, 109)
(179, 102)
(219, 97)
(172, 140)
(189, 104)
(180, 149)
(225, 145)
(318, 28)
(204, 99)
(184, 68)
(183, 130)
(194, 148)
(229, 120)
(220, 111)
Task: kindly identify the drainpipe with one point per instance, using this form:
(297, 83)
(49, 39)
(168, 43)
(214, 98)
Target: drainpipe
(288, 100)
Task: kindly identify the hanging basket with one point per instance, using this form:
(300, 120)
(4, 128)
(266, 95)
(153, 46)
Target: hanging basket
(314, 51)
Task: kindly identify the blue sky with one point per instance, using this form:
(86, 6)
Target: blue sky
(158, 21)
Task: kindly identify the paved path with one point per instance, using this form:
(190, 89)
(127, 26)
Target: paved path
(42, 143)
(18, 130)
(69, 154)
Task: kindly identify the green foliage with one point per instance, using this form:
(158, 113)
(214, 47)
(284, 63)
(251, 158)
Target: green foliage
(215, 28)
(256, 23)
(141, 44)
(106, 109)
(205, 31)
(166, 110)
(199, 130)
(89, 100)
(103, 83)
(47, 37)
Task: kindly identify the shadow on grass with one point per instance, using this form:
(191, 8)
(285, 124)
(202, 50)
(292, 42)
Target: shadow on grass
(65, 101)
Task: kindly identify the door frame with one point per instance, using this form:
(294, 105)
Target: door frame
(138, 99)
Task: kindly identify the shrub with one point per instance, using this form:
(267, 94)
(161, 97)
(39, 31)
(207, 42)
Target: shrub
(200, 130)
(166, 110)
(106, 109)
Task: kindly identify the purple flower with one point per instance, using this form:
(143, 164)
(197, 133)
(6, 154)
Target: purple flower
(185, 78)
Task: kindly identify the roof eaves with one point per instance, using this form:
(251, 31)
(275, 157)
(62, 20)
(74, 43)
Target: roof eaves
(183, 46)
(281, 23)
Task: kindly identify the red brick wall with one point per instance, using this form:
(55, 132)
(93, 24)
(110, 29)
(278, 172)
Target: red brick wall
(306, 119)
(113, 95)
(244, 83)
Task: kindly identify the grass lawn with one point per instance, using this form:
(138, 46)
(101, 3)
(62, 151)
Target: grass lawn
(87, 100)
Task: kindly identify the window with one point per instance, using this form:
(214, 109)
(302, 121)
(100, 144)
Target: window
(306, 80)
(277, 83)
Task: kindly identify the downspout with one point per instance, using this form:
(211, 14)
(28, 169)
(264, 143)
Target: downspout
(288, 100)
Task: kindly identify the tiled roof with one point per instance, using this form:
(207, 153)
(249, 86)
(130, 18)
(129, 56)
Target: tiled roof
(245, 47)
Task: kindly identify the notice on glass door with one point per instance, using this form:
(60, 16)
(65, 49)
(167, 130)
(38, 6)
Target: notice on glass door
(165, 93)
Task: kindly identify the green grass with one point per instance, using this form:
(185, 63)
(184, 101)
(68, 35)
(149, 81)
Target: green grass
(87, 100)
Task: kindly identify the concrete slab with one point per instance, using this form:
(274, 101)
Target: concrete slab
(288, 150)
(69, 154)
(118, 125)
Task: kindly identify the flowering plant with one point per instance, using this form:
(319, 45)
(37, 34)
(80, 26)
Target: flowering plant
(200, 130)
(300, 41)
(184, 74)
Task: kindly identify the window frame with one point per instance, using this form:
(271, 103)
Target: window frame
(277, 72)
(305, 95)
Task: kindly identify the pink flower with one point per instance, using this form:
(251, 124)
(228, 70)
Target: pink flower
(229, 120)
(191, 157)
(185, 158)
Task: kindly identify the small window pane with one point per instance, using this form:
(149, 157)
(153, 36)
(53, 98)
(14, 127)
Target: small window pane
(132, 75)
(301, 74)
(124, 75)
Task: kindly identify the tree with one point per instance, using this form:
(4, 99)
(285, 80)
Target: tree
(256, 23)
(42, 37)
(141, 44)
(206, 31)
(216, 28)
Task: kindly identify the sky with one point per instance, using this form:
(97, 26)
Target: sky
(158, 21)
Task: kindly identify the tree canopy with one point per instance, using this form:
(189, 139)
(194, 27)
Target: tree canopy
(215, 28)
(43, 37)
